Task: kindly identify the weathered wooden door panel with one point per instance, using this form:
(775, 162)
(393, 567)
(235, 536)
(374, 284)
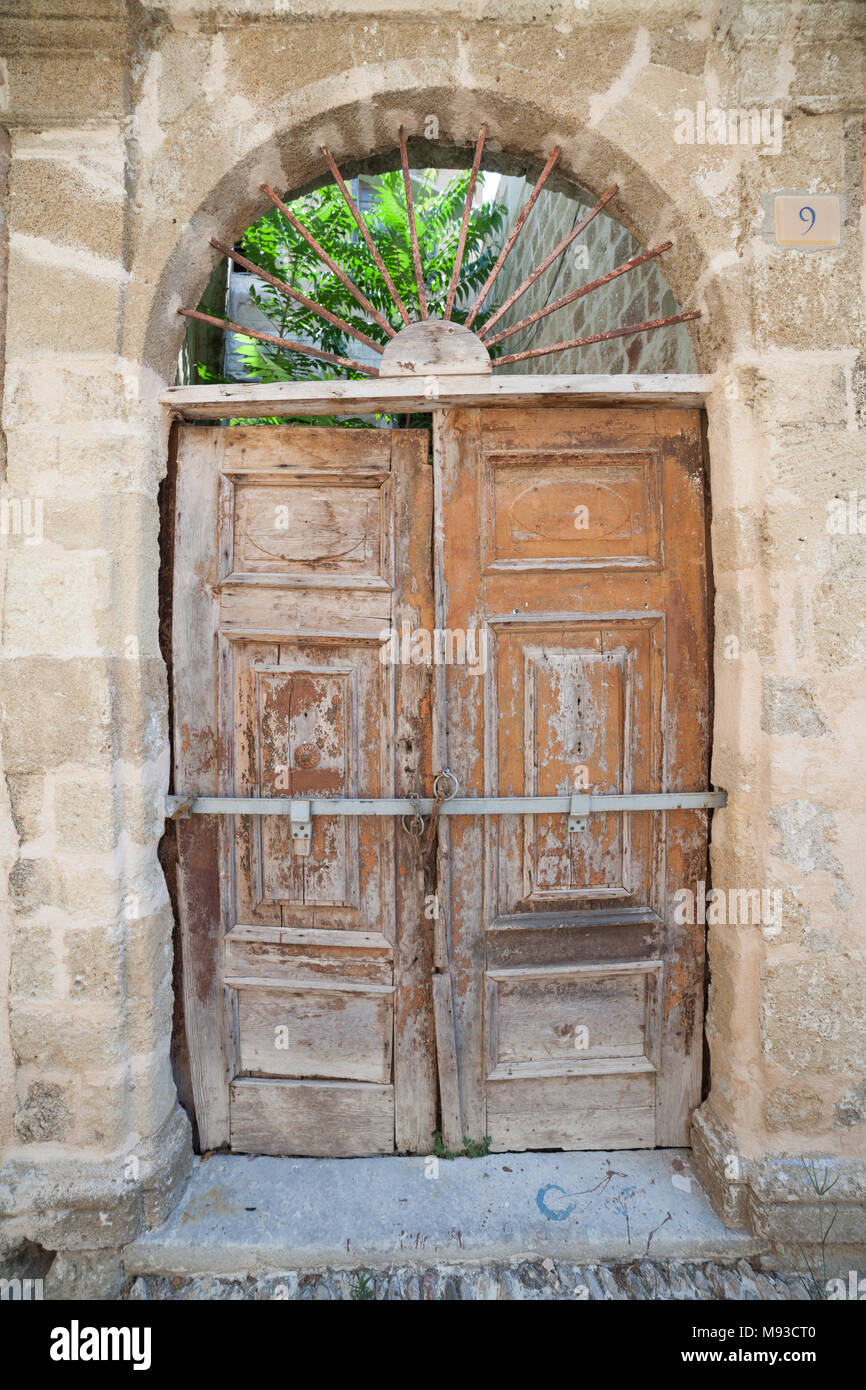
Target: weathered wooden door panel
(581, 695)
(577, 998)
(312, 717)
(326, 1119)
(309, 996)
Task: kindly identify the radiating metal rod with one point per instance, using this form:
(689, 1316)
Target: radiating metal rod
(365, 233)
(548, 260)
(229, 327)
(292, 293)
(623, 269)
(464, 226)
(596, 338)
(329, 262)
(512, 237)
(413, 230)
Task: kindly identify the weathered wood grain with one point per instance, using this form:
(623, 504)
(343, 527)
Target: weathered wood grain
(459, 580)
(296, 1028)
(195, 677)
(402, 396)
(414, 1046)
(594, 677)
(574, 1014)
(320, 1119)
(688, 746)
(296, 548)
(573, 1112)
(449, 1083)
(295, 954)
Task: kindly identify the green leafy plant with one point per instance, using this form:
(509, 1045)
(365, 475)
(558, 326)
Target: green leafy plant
(362, 1287)
(472, 1148)
(273, 244)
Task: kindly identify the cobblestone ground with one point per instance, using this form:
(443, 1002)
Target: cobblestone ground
(548, 1280)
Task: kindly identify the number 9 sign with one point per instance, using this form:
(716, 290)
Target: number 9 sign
(808, 219)
(807, 215)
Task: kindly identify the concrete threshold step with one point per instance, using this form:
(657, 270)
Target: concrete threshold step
(251, 1215)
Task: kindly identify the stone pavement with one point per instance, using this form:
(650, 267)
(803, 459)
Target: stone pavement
(545, 1280)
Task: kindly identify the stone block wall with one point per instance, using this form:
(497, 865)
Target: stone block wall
(639, 296)
(134, 134)
(90, 1102)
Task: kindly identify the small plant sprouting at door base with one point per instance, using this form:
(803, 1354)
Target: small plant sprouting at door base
(472, 1148)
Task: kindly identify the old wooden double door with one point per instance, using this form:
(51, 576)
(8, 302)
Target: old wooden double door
(551, 563)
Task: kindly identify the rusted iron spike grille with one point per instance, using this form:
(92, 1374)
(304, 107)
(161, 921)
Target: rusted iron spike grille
(484, 333)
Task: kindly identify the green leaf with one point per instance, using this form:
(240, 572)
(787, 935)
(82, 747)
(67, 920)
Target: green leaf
(273, 244)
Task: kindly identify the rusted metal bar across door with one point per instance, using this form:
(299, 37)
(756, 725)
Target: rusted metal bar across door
(577, 807)
(579, 804)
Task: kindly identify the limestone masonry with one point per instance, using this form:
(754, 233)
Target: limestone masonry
(131, 134)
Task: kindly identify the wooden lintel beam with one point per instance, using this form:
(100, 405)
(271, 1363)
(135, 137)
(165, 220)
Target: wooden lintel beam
(401, 395)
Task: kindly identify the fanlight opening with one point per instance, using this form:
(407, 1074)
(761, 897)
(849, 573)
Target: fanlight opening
(435, 271)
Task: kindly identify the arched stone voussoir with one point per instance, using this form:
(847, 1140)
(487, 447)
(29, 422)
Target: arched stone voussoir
(175, 259)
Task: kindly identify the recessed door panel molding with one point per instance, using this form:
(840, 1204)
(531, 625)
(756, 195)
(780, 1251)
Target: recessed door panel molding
(583, 700)
(317, 527)
(572, 510)
(307, 1029)
(566, 1020)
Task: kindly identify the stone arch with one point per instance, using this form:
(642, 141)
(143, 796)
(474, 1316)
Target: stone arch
(172, 268)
